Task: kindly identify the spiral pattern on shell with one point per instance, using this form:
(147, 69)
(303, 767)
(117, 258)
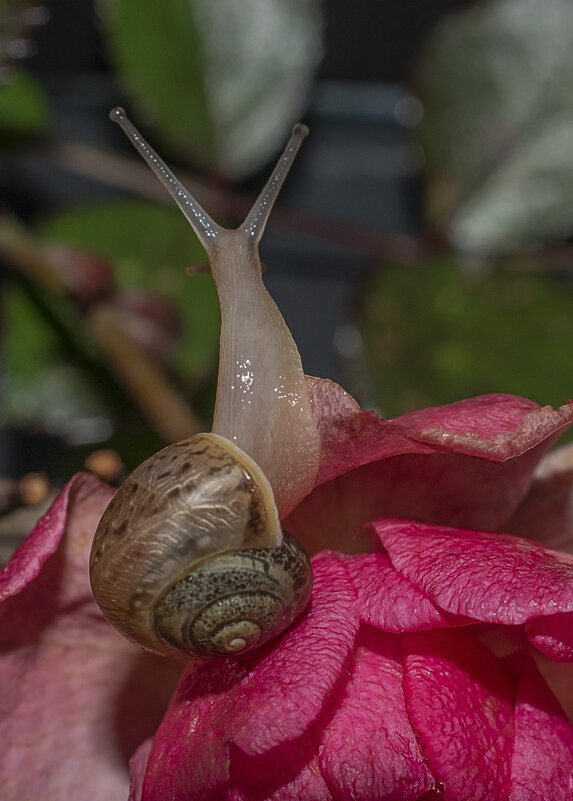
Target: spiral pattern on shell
(189, 556)
(235, 601)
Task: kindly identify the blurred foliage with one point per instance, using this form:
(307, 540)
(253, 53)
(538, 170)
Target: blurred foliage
(158, 54)
(145, 245)
(217, 86)
(42, 384)
(451, 330)
(150, 247)
(497, 85)
(220, 86)
(496, 81)
(223, 81)
(24, 107)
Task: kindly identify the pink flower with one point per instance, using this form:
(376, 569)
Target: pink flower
(386, 688)
(391, 686)
(76, 699)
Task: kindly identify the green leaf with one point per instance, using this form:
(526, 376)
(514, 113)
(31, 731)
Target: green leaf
(498, 129)
(222, 81)
(445, 332)
(23, 105)
(150, 247)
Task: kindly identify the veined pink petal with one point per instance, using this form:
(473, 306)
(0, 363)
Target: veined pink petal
(368, 748)
(189, 757)
(542, 764)
(546, 514)
(553, 636)
(259, 701)
(299, 776)
(340, 420)
(495, 427)
(442, 488)
(297, 676)
(389, 601)
(421, 466)
(76, 699)
(487, 576)
(460, 704)
(559, 678)
(27, 561)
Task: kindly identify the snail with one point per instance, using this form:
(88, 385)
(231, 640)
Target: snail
(190, 556)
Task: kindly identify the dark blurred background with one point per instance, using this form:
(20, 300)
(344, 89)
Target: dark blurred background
(354, 110)
(420, 251)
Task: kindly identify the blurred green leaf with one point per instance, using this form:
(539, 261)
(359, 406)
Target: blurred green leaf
(223, 81)
(498, 131)
(24, 108)
(446, 332)
(159, 56)
(28, 335)
(41, 387)
(150, 247)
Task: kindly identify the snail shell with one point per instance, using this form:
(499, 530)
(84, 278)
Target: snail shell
(190, 556)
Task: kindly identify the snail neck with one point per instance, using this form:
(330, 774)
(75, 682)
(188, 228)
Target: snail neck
(262, 402)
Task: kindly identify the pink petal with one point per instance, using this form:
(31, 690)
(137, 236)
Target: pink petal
(496, 427)
(368, 749)
(542, 765)
(491, 577)
(189, 757)
(559, 678)
(299, 776)
(546, 514)
(389, 601)
(303, 670)
(448, 489)
(553, 636)
(421, 466)
(259, 701)
(340, 420)
(76, 699)
(137, 769)
(460, 703)
(27, 561)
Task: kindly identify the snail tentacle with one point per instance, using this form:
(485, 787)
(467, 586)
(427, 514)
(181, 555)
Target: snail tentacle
(205, 227)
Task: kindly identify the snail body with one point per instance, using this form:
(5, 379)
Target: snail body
(190, 556)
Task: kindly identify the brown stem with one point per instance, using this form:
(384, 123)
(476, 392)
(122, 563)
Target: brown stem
(139, 373)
